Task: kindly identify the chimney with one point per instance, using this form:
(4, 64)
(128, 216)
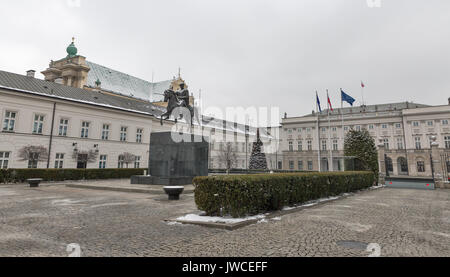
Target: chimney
(30, 73)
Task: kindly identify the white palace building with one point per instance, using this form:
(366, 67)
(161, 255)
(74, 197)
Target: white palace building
(82, 108)
(405, 129)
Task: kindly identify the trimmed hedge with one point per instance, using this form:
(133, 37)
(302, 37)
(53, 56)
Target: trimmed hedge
(243, 195)
(21, 175)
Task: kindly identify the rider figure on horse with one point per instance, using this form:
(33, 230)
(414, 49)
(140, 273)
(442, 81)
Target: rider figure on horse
(183, 96)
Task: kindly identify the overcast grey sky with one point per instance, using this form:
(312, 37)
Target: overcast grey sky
(246, 52)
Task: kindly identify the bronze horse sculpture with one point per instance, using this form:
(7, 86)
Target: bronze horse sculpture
(171, 98)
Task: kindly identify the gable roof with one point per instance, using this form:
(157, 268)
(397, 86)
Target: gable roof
(122, 83)
(35, 86)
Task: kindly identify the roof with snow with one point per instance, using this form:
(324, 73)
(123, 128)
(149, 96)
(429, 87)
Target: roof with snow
(122, 83)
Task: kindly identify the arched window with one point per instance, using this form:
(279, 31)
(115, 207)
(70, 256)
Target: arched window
(402, 165)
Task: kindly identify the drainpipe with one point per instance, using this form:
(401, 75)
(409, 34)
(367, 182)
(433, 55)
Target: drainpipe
(51, 136)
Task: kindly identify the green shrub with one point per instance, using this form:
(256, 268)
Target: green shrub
(242, 195)
(21, 175)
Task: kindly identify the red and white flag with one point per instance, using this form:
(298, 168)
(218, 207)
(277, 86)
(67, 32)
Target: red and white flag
(363, 85)
(329, 103)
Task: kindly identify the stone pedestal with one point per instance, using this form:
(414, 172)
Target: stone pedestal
(382, 164)
(174, 163)
(437, 164)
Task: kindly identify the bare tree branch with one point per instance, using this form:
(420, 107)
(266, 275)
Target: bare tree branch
(33, 153)
(228, 156)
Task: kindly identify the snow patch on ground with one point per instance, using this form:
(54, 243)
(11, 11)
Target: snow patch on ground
(66, 202)
(211, 219)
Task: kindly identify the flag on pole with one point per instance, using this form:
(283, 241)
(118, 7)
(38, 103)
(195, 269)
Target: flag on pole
(318, 102)
(347, 98)
(363, 85)
(330, 106)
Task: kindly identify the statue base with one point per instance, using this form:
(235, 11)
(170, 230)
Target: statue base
(161, 181)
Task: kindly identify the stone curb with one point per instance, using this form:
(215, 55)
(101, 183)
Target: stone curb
(118, 189)
(238, 225)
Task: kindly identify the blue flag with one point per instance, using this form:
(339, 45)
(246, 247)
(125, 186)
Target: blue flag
(318, 102)
(347, 98)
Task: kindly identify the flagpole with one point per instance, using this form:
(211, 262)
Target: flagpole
(329, 132)
(362, 93)
(318, 132)
(343, 132)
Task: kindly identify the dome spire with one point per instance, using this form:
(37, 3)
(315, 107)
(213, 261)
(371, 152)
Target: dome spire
(72, 50)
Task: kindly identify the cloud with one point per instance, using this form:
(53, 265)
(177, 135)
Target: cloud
(247, 53)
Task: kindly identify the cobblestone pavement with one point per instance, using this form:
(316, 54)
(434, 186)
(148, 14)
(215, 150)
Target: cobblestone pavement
(42, 221)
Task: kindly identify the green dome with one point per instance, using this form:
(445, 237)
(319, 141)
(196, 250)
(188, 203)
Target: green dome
(72, 50)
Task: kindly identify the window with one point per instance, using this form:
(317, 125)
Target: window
(300, 165)
(105, 132)
(38, 124)
(137, 162)
(346, 128)
(400, 144)
(280, 165)
(310, 165)
(418, 143)
(291, 165)
(398, 125)
(447, 142)
(4, 160)
(308, 130)
(291, 146)
(324, 145)
(371, 127)
(9, 122)
(121, 162)
(309, 145)
(33, 160)
(123, 133)
(334, 129)
(358, 128)
(403, 165)
(386, 143)
(324, 129)
(420, 166)
(290, 131)
(102, 163)
(59, 160)
(445, 122)
(300, 145)
(63, 127)
(384, 126)
(335, 145)
(139, 133)
(430, 123)
(85, 129)
(416, 124)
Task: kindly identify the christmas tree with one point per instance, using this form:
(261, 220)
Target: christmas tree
(258, 159)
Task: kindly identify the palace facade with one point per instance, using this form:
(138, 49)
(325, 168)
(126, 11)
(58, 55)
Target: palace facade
(310, 142)
(85, 115)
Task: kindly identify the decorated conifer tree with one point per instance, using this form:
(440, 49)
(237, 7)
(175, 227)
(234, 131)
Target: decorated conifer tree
(258, 159)
(361, 146)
